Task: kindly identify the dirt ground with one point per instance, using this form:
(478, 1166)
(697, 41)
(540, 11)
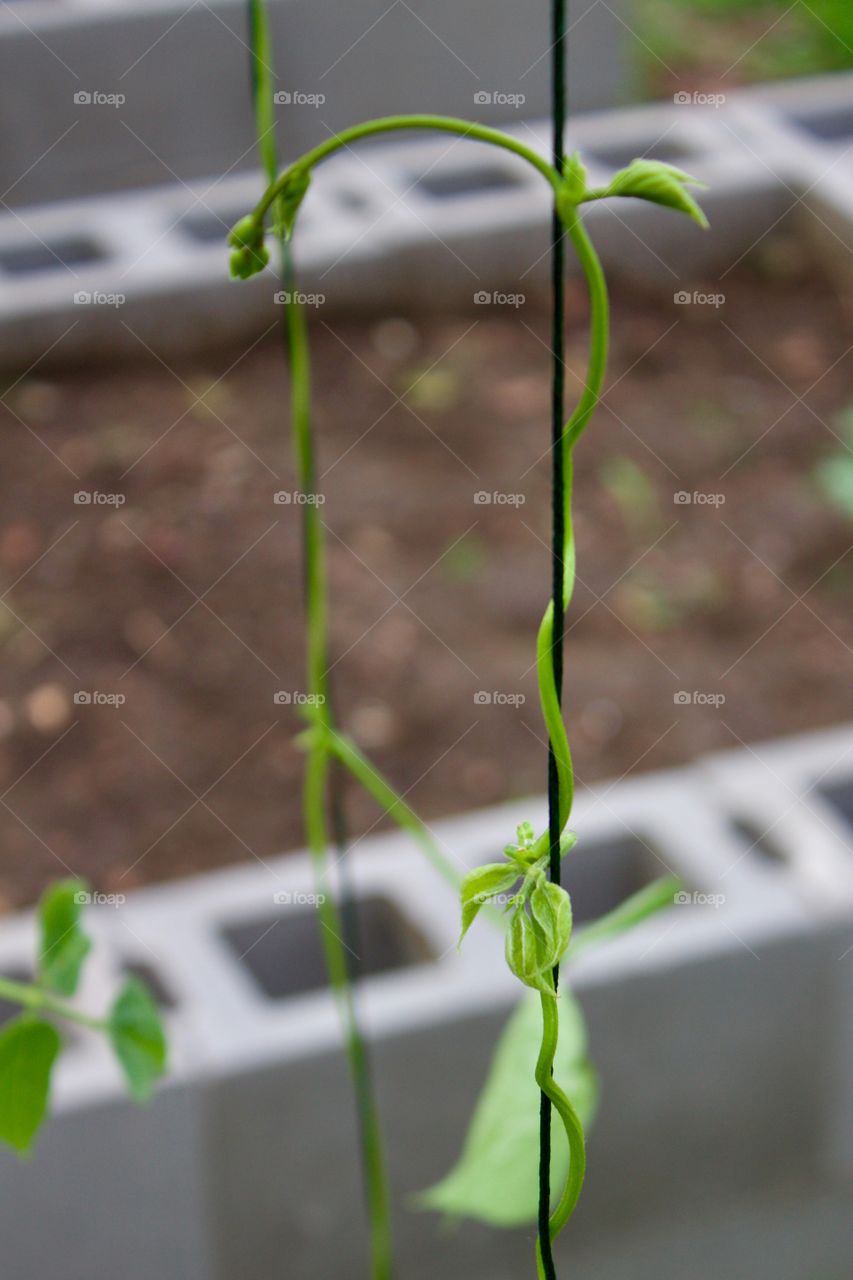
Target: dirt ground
(185, 599)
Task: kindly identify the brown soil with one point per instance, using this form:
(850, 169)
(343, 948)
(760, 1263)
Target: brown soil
(186, 599)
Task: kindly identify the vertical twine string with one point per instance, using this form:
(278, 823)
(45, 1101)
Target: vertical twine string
(558, 124)
(260, 77)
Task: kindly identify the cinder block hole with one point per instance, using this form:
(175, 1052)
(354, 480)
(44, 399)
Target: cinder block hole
(758, 842)
(207, 226)
(31, 255)
(349, 199)
(284, 952)
(453, 183)
(840, 796)
(153, 980)
(8, 1008)
(832, 125)
(601, 873)
(621, 154)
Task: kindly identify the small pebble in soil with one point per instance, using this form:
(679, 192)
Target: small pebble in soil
(19, 544)
(374, 725)
(600, 721)
(48, 708)
(395, 338)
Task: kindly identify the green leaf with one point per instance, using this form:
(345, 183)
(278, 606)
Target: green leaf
(661, 183)
(28, 1050)
(137, 1037)
(480, 885)
(63, 945)
(495, 1179)
(551, 911)
(527, 953)
(646, 902)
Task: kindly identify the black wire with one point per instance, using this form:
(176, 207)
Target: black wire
(558, 125)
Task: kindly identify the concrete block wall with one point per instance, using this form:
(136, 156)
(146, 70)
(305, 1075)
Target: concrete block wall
(431, 223)
(182, 72)
(723, 1030)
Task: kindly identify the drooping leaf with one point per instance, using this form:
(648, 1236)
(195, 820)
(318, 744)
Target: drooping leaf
(137, 1036)
(28, 1050)
(659, 182)
(528, 955)
(551, 911)
(481, 884)
(63, 946)
(495, 1179)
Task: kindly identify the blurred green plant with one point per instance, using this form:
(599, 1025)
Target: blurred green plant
(834, 473)
(30, 1042)
(745, 39)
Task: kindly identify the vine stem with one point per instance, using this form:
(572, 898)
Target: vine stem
(35, 999)
(317, 772)
(392, 124)
(324, 739)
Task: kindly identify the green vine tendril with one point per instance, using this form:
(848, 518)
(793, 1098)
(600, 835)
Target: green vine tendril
(541, 922)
